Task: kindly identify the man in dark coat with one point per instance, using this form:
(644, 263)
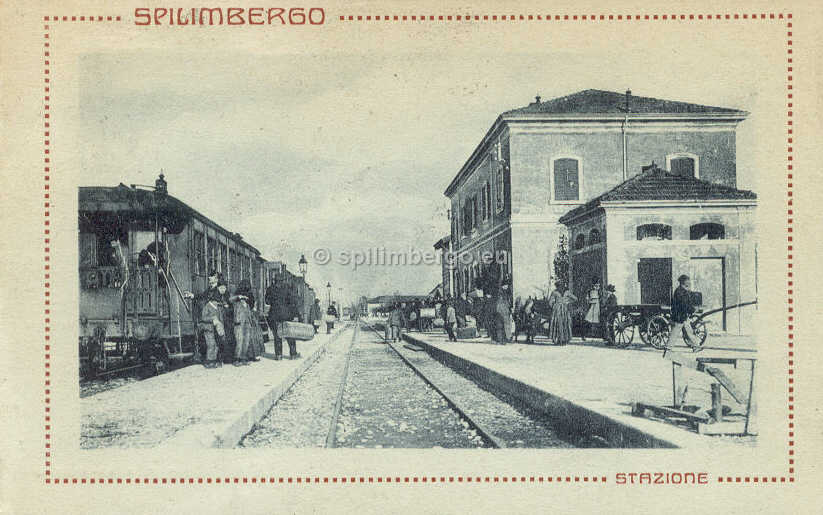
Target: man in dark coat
(282, 307)
(682, 307)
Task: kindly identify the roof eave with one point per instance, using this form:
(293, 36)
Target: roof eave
(498, 123)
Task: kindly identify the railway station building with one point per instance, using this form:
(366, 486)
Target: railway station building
(542, 161)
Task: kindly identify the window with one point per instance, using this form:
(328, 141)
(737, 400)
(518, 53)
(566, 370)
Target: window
(474, 209)
(594, 237)
(654, 232)
(579, 241)
(707, 231)
(212, 255)
(565, 177)
(501, 188)
(247, 270)
(683, 163)
(233, 266)
(199, 254)
(224, 259)
(487, 201)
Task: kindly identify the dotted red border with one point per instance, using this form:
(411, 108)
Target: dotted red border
(560, 17)
(790, 478)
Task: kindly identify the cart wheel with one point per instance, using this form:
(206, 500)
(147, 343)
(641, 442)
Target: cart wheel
(621, 329)
(658, 332)
(700, 331)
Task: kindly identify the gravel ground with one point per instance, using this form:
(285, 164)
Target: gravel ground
(94, 386)
(301, 418)
(385, 404)
(512, 427)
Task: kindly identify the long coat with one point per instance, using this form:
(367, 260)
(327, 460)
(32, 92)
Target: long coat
(560, 329)
(282, 304)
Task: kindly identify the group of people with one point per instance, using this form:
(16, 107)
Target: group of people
(230, 326)
(228, 323)
(559, 310)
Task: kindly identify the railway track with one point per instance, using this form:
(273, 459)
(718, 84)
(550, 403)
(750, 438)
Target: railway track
(388, 394)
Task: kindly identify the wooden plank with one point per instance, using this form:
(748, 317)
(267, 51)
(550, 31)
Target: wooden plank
(727, 383)
(638, 409)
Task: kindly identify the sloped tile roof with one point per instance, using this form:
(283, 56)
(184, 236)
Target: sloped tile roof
(598, 101)
(657, 184)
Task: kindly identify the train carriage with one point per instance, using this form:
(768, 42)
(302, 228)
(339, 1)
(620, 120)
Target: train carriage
(140, 249)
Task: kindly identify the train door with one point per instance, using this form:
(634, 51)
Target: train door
(655, 278)
(708, 276)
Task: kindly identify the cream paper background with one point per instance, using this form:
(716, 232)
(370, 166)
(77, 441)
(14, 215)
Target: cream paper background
(746, 47)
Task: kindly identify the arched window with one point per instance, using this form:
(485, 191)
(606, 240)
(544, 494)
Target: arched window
(683, 163)
(594, 237)
(579, 241)
(654, 232)
(565, 177)
(707, 231)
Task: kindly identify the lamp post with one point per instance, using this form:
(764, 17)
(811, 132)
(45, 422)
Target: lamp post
(303, 266)
(328, 287)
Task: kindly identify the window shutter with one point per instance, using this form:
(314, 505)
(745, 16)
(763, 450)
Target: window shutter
(566, 179)
(683, 166)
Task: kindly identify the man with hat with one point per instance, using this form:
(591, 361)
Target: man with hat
(607, 306)
(682, 309)
(282, 308)
(199, 301)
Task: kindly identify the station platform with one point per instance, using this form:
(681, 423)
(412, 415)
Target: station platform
(197, 407)
(588, 387)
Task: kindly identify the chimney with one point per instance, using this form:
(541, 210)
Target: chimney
(628, 98)
(161, 186)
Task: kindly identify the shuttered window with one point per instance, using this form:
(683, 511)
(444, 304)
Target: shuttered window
(566, 179)
(682, 166)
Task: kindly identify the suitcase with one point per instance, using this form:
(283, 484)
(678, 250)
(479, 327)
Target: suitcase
(295, 330)
(464, 333)
(427, 313)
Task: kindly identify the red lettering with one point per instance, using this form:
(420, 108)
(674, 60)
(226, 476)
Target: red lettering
(186, 20)
(211, 12)
(322, 16)
(255, 11)
(276, 12)
(702, 478)
(159, 13)
(141, 12)
(621, 478)
(296, 13)
(236, 12)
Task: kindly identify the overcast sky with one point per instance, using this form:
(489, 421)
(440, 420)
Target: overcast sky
(346, 153)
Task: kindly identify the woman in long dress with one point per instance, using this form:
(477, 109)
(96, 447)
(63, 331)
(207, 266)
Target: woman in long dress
(561, 300)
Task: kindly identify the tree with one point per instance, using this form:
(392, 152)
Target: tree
(561, 262)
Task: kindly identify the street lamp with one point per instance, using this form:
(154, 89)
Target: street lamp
(328, 287)
(303, 265)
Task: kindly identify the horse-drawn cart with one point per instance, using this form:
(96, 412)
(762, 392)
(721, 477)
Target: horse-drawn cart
(652, 322)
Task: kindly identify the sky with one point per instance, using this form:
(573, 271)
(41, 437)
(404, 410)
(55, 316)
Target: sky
(346, 153)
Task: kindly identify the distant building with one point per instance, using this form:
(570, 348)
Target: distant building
(538, 162)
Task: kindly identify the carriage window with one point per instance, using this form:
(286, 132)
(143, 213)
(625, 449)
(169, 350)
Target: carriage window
(579, 242)
(707, 231)
(199, 254)
(211, 252)
(566, 178)
(654, 232)
(224, 259)
(594, 236)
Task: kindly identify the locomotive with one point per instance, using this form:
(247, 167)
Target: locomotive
(140, 251)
